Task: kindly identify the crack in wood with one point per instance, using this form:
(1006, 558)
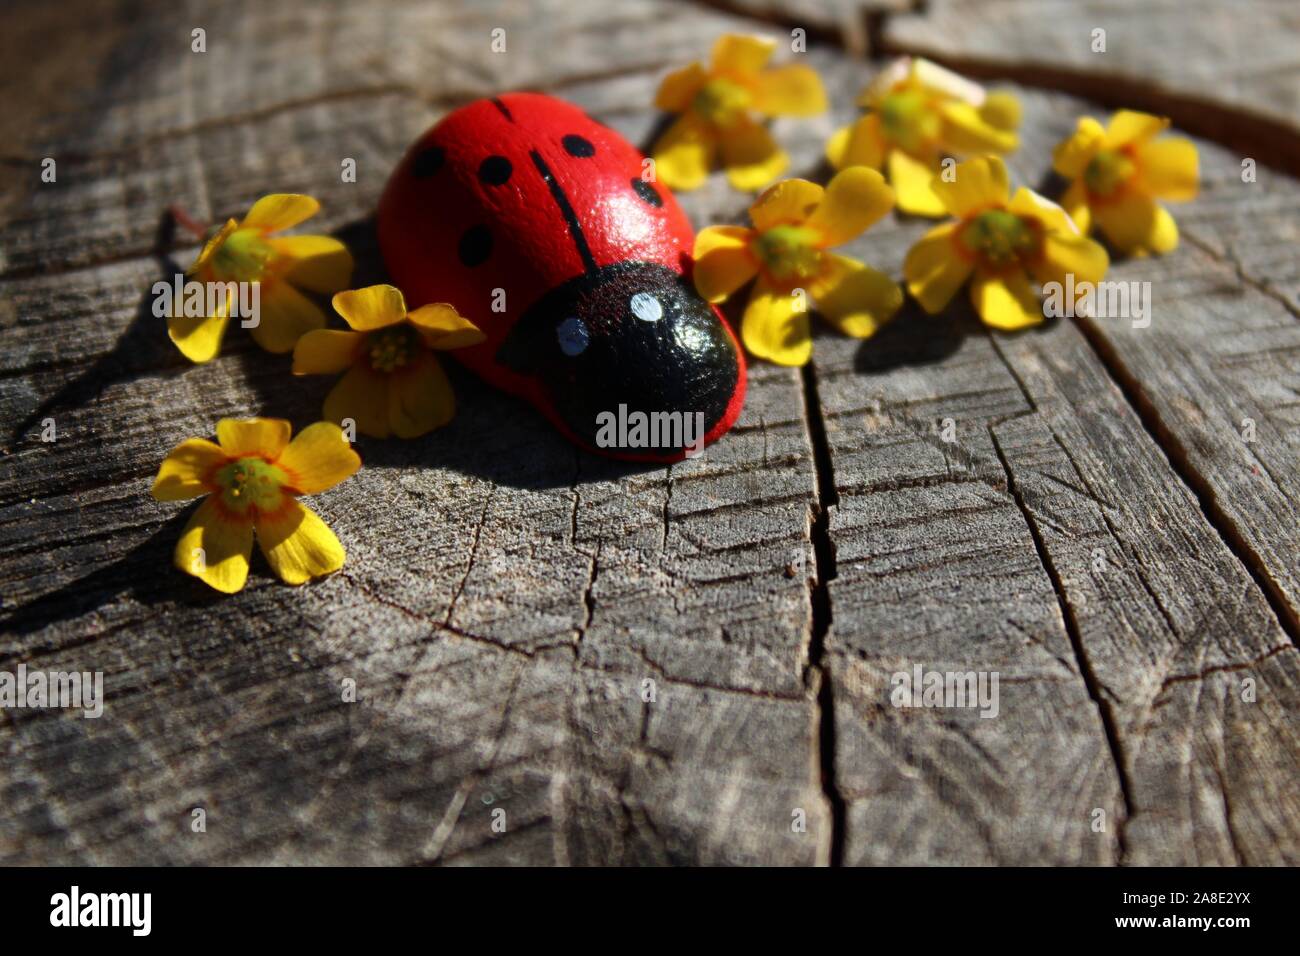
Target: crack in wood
(1076, 642)
(1197, 484)
(818, 677)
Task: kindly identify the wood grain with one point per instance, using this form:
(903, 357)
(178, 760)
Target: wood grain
(635, 665)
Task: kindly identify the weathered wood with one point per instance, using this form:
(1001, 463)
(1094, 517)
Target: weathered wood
(1224, 71)
(506, 598)
(944, 550)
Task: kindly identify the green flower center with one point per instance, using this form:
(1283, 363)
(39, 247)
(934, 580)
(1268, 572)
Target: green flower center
(251, 483)
(788, 252)
(1107, 172)
(908, 121)
(1000, 237)
(242, 257)
(391, 348)
(721, 102)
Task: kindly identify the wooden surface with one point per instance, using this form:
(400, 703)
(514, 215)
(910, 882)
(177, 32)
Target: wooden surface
(1098, 533)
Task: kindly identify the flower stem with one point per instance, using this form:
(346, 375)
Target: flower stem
(182, 218)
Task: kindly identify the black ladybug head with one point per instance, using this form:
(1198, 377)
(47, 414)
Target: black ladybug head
(634, 361)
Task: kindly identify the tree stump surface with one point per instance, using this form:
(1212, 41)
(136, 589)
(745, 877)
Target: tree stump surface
(1098, 531)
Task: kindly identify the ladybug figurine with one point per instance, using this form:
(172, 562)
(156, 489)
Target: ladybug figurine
(536, 223)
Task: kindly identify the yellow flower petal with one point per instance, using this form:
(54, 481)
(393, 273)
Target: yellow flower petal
(297, 544)
(1068, 254)
(977, 184)
(280, 211)
(1001, 109)
(1164, 236)
(1053, 218)
(1006, 301)
(739, 54)
(1130, 126)
(1169, 168)
(913, 183)
(286, 315)
(420, 398)
(266, 437)
(325, 351)
(215, 548)
(934, 269)
(896, 73)
(750, 155)
(211, 246)
(939, 79)
(374, 307)
(319, 457)
(318, 263)
(679, 87)
(684, 153)
(1075, 203)
(362, 396)
(184, 472)
(1072, 156)
(967, 133)
(794, 90)
(443, 328)
(1135, 224)
(199, 338)
(856, 298)
(775, 329)
(858, 145)
(723, 262)
(789, 202)
(855, 198)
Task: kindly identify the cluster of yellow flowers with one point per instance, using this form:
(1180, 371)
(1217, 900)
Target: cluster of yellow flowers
(918, 117)
(253, 475)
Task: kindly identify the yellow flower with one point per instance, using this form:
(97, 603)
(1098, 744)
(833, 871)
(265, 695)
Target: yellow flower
(717, 107)
(1001, 242)
(795, 222)
(393, 384)
(1119, 172)
(253, 478)
(248, 252)
(918, 114)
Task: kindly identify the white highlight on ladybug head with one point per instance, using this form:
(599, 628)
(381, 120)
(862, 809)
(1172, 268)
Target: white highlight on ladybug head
(573, 336)
(646, 307)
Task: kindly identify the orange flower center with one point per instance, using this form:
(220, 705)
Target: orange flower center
(721, 101)
(1000, 238)
(391, 348)
(251, 483)
(788, 252)
(242, 257)
(1108, 171)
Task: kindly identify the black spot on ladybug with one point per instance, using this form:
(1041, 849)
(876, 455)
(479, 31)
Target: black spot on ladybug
(495, 170)
(428, 162)
(475, 246)
(575, 145)
(647, 192)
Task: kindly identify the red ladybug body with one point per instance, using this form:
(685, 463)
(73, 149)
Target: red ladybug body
(534, 221)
